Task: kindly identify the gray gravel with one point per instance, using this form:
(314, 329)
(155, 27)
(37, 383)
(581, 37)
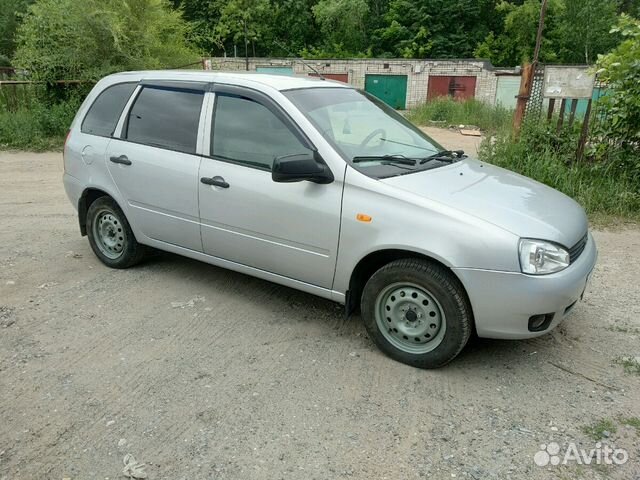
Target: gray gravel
(205, 373)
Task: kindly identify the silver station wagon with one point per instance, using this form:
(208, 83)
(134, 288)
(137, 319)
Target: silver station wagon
(321, 187)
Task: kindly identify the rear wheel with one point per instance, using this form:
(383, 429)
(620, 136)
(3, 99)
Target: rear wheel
(417, 312)
(110, 235)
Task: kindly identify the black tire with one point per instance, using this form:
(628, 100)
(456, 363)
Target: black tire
(126, 251)
(443, 287)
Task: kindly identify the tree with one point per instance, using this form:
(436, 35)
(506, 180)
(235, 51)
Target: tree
(585, 30)
(435, 28)
(621, 70)
(342, 24)
(10, 14)
(517, 41)
(67, 39)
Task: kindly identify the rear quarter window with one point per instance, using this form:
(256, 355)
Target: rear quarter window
(103, 115)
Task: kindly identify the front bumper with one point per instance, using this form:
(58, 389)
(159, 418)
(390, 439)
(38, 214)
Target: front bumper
(503, 302)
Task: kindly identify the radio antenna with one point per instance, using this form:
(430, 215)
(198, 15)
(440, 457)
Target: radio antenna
(299, 59)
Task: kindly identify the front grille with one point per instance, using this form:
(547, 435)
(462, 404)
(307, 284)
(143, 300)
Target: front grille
(578, 248)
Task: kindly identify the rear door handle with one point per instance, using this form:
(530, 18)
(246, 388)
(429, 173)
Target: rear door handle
(122, 159)
(215, 181)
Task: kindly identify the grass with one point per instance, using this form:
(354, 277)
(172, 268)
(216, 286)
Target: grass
(470, 112)
(596, 430)
(629, 364)
(632, 422)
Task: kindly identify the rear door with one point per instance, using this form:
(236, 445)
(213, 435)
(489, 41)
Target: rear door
(155, 163)
(290, 229)
(90, 141)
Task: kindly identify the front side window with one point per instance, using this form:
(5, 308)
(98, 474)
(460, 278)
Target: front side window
(103, 115)
(366, 131)
(166, 118)
(246, 132)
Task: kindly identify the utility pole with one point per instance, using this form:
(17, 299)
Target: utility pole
(528, 72)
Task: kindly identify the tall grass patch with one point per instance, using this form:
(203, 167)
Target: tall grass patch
(447, 111)
(37, 123)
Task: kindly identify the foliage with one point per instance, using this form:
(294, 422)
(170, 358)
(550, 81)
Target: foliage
(342, 22)
(66, 39)
(10, 15)
(37, 126)
(517, 41)
(621, 69)
(470, 112)
(603, 186)
(575, 31)
(434, 28)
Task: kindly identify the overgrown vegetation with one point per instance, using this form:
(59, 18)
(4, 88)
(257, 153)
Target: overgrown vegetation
(447, 112)
(621, 70)
(71, 40)
(37, 125)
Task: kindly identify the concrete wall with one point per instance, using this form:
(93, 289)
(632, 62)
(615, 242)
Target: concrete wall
(417, 72)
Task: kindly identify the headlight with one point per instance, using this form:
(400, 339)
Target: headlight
(538, 257)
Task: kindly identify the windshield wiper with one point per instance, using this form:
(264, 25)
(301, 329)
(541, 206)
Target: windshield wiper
(387, 159)
(444, 156)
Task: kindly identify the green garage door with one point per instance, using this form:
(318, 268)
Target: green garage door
(391, 89)
(276, 70)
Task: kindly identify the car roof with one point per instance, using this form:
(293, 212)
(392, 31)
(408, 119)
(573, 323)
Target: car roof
(277, 82)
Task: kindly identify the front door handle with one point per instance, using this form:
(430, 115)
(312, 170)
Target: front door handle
(122, 160)
(215, 181)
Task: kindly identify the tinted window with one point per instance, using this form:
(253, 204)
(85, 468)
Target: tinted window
(166, 118)
(247, 132)
(103, 115)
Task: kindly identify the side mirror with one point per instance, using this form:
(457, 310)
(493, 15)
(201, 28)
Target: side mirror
(298, 167)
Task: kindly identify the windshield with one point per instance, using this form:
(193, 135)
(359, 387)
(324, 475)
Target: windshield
(368, 133)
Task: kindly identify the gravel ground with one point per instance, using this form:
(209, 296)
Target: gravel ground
(205, 373)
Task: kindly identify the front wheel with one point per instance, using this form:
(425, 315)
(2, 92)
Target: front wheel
(417, 312)
(110, 235)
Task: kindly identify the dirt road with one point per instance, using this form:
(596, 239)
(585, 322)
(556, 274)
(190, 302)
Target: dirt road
(203, 373)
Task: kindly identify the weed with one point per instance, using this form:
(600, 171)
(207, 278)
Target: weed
(597, 430)
(630, 364)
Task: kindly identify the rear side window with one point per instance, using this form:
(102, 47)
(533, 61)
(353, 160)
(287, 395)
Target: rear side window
(166, 118)
(102, 117)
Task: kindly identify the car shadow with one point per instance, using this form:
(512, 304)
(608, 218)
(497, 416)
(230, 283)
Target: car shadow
(478, 351)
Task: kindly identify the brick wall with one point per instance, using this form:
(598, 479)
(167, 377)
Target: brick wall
(417, 72)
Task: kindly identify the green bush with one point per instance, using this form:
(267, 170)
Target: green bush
(469, 112)
(85, 40)
(37, 126)
(604, 187)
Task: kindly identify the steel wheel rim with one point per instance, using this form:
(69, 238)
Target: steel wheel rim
(109, 234)
(410, 318)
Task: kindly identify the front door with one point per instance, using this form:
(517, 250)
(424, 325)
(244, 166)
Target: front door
(290, 229)
(154, 163)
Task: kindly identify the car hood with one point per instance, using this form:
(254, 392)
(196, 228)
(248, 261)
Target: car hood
(510, 201)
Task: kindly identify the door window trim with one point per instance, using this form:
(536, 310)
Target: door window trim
(260, 98)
